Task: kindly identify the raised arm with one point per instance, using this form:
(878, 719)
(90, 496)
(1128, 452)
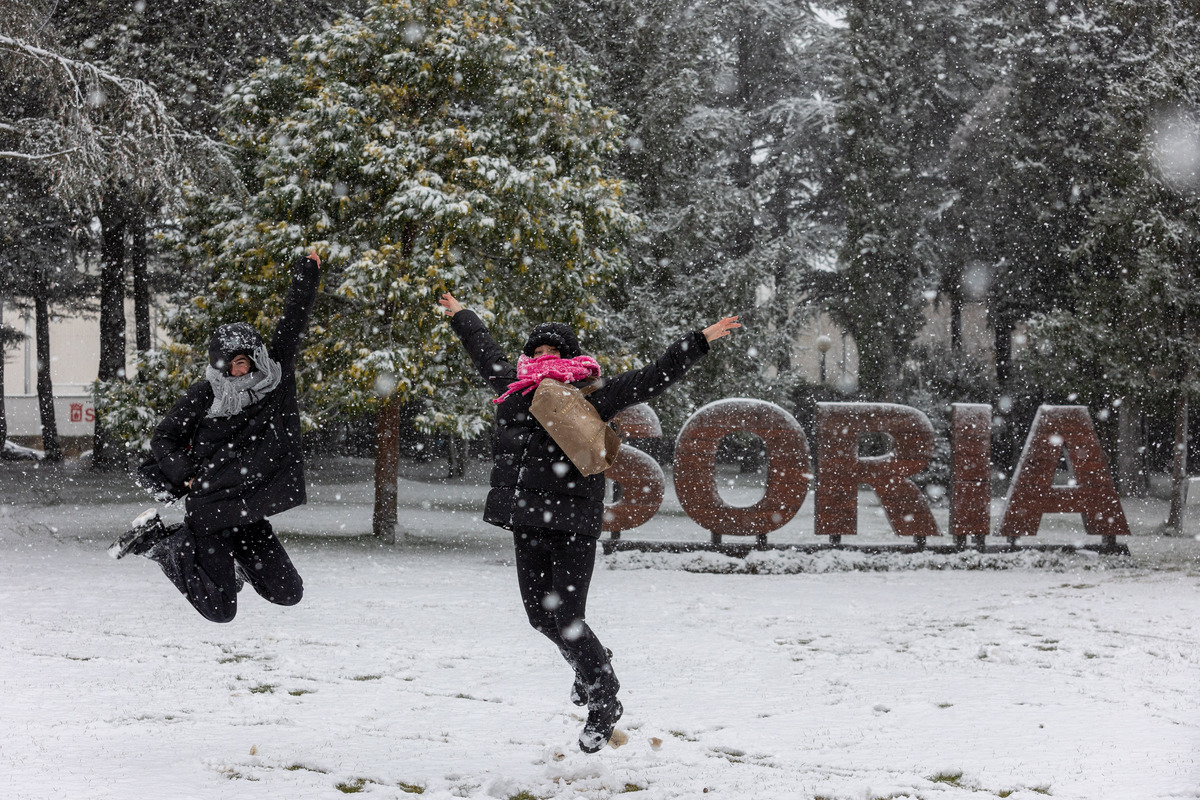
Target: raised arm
(486, 355)
(297, 308)
(640, 385)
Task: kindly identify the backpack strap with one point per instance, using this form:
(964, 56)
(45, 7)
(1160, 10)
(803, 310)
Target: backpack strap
(595, 384)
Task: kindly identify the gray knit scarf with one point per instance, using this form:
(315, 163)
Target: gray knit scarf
(232, 395)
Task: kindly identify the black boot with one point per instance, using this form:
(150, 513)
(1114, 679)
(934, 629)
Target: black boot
(604, 709)
(579, 689)
(148, 530)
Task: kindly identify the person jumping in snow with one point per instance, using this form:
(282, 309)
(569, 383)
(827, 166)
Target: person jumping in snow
(553, 510)
(231, 445)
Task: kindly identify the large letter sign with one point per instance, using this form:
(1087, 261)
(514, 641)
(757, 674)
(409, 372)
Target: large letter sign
(971, 471)
(840, 469)
(640, 477)
(788, 469)
(1090, 491)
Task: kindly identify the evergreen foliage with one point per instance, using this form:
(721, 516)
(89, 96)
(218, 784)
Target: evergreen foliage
(1131, 327)
(80, 126)
(907, 82)
(869, 162)
(426, 147)
(190, 52)
(1027, 162)
(185, 55)
(38, 245)
(732, 150)
(39, 273)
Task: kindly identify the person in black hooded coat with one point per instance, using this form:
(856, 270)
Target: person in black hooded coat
(232, 446)
(553, 510)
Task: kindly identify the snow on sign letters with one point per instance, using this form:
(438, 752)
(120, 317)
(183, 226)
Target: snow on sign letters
(1090, 490)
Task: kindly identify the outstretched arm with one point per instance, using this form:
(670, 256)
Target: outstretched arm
(297, 308)
(485, 354)
(640, 385)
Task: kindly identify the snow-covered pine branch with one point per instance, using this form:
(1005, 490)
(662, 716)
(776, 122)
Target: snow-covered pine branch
(91, 127)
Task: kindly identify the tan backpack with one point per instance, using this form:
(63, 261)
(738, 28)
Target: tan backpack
(575, 425)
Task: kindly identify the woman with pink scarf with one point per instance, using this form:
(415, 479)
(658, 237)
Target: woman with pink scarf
(553, 510)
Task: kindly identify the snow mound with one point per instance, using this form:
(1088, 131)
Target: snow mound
(15, 452)
(787, 562)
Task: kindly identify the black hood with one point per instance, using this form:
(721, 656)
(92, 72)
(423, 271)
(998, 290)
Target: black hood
(228, 341)
(557, 335)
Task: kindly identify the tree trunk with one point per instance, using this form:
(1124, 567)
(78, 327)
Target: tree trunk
(1131, 472)
(1179, 469)
(141, 281)
(387, 434)
(112, 289)
(45, 387)
(1002, 339)
(956, 309)
(3, 413)
(742, 238)
(112, 317)
(387, 469)
(780, 311)
(877, 367)
(456, 457)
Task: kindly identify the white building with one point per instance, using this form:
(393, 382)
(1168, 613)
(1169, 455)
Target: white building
(74, 363)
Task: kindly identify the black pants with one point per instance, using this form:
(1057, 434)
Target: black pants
(201, 565)
(554, 570)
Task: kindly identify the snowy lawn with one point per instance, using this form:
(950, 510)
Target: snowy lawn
(410, 669)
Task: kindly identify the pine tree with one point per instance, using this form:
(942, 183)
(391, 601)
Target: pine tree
(80, 125)
(1131, 333)
(191, 53)
(104, 142)
(187, 53)
(1023, 163)
(907, 81)
(731, 149)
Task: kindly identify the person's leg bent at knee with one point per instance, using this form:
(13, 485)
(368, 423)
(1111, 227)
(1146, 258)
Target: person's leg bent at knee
(554, 571)
(265, 563)
(201, 567)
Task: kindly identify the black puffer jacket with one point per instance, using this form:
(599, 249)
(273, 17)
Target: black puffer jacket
(533, 482)
(250, 465)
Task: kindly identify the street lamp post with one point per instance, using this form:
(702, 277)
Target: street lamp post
(823, 345)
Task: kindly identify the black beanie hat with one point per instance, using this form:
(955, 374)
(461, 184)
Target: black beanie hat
(555, 334)
(229, 341)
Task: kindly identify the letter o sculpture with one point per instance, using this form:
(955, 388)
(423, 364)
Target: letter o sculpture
(788, 467)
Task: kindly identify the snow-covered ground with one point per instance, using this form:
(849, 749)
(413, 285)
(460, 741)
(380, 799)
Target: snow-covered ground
(411, 669)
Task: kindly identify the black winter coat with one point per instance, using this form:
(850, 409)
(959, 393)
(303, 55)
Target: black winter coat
(250, 465)
(533, 482)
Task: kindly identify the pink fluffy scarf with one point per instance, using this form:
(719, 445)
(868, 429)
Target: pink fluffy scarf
(532, 371)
